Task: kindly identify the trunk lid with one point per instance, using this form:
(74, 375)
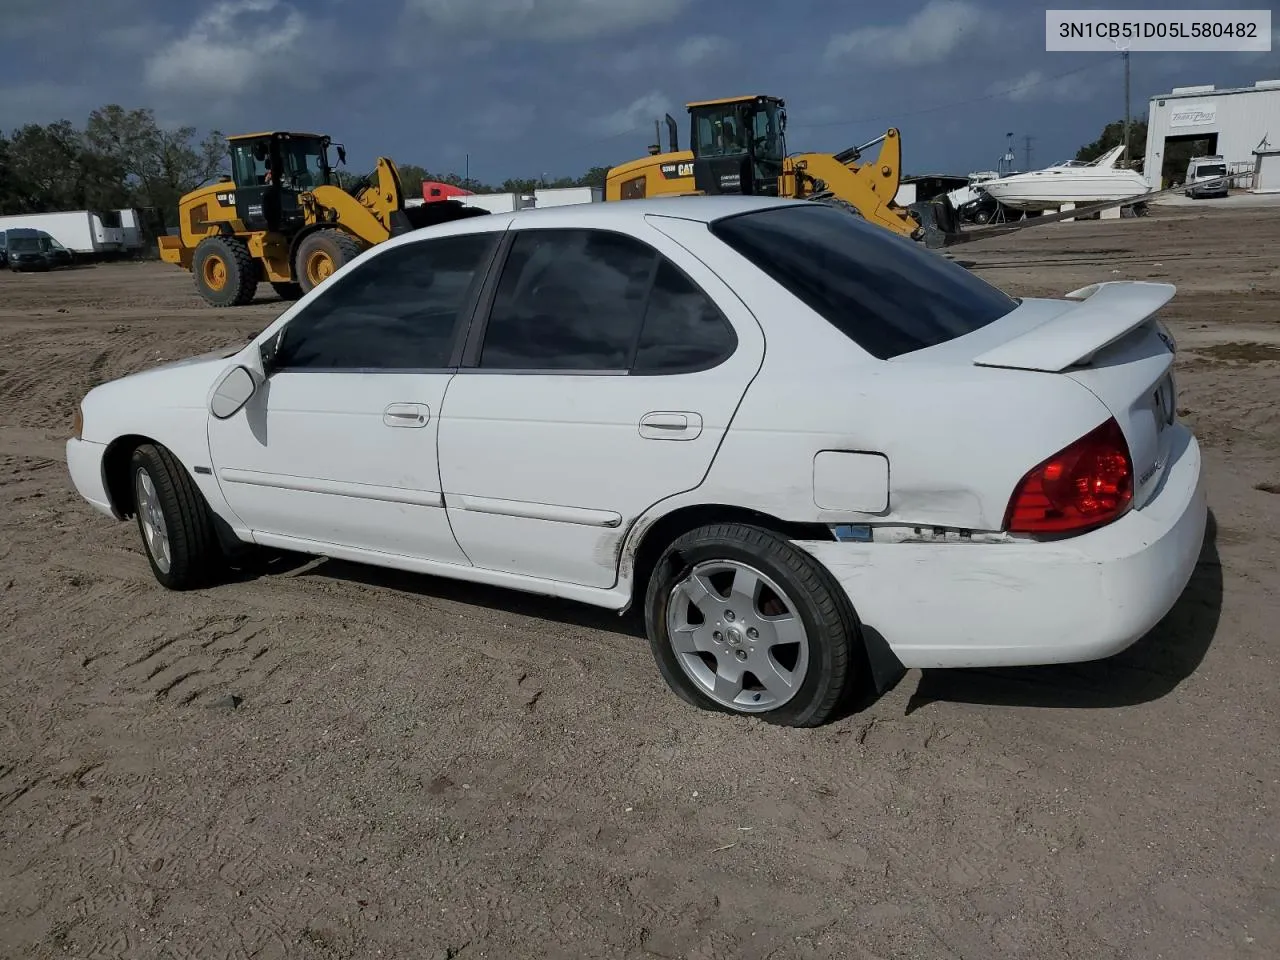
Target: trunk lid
(1106, 337)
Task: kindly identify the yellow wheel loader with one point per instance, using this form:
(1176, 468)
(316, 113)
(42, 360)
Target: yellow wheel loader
(283, 219)
(738, 146)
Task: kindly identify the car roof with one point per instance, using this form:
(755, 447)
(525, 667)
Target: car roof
(600, 215)
(703, 209)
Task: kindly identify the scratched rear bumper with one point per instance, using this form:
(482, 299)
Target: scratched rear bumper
(1025, 603)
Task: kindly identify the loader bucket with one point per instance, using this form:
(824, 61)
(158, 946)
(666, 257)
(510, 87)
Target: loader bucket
(938, 220)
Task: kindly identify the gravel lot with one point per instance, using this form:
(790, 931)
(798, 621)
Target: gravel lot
(328, 761)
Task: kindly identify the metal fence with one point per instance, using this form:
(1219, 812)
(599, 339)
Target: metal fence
(1241, 175)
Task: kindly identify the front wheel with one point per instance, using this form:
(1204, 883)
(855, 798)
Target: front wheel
(740, 621)
(225, 272)
(322, 254)
(174, 521)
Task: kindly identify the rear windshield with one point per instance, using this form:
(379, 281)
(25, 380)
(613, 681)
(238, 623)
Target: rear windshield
(882, 291)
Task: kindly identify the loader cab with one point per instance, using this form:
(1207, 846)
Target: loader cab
(270, 170)
(738, 144)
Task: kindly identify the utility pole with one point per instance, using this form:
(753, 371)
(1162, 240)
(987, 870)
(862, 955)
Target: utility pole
(1026, 148)
(1127, 159)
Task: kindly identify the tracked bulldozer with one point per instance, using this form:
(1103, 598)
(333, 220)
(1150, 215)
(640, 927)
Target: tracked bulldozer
(738, 146)
(283, 218)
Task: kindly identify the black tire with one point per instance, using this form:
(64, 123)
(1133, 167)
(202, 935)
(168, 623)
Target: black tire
(287, 291)
(225, 274)
(982, 216)
(195, 557)
(325, 250)
(816, 599)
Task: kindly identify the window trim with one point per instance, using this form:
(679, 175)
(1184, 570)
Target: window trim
(479, 326)
(461, 323)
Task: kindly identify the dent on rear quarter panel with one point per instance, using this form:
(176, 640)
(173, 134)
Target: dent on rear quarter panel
(957, 441)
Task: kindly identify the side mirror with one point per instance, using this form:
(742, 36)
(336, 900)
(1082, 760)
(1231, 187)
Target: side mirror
(232, 392)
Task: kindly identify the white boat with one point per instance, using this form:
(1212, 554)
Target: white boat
(1074, 182)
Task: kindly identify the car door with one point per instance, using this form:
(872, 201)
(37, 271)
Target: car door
(599, 379)
(339, 446)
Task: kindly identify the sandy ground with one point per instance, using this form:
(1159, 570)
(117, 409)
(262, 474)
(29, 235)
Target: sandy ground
(325, 761)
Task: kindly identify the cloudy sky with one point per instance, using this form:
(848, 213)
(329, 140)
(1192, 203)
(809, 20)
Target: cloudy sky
(531, 87)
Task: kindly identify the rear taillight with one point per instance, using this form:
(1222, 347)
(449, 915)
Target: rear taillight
(1084, 486)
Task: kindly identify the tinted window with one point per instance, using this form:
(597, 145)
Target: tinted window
(683, 329)
(399, 310)
(568, 300)
(882, 291)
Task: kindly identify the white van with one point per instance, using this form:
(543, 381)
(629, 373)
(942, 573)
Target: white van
(1201, 169)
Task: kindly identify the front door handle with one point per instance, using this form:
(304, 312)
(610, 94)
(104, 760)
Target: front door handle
(671, 425)
(406, 415)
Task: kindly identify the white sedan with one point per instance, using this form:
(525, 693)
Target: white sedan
(795, 440)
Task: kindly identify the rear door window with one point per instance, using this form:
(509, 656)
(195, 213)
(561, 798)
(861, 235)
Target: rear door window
(881, 291)
(595, 301)
(570, 300)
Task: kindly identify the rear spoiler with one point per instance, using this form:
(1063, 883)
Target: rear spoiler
(1104, 314)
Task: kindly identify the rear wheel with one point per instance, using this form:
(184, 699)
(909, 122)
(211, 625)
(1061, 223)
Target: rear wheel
(225, 273)
(322, 254)
(740, 621)
(174, 521)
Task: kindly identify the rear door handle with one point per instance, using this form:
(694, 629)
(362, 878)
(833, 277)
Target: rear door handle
(406, 415)
(671, 425)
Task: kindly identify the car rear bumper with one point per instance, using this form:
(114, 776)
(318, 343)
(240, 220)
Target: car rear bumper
(84, 463)
(1025, 603)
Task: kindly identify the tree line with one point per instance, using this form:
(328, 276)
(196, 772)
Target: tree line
(121, 158)
(1112, 136)
(124, 159)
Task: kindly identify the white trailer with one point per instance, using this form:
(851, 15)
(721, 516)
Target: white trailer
(131, 229)
(106, 227)
(563, 196)
(80, 231)
(498, 202)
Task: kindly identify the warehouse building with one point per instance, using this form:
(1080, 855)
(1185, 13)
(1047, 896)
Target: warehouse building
(1233, 123)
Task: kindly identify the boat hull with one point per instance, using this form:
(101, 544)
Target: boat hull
(1049, 191)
